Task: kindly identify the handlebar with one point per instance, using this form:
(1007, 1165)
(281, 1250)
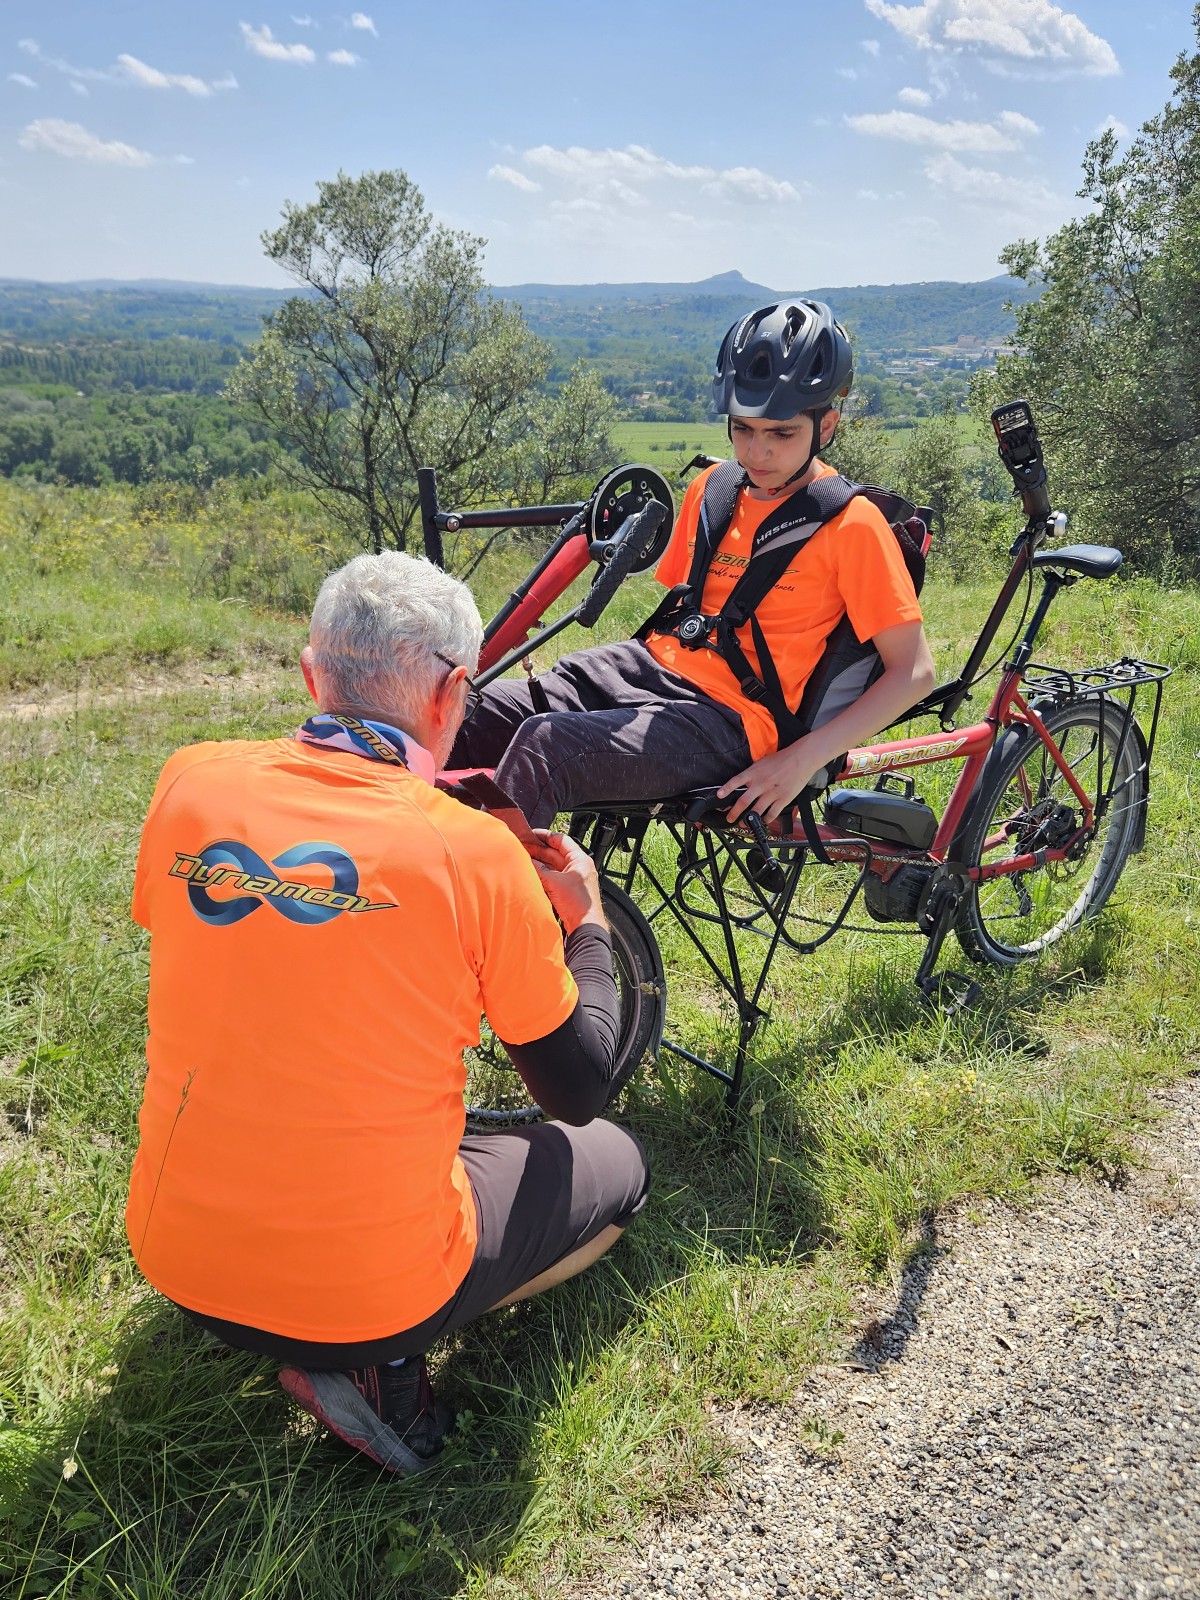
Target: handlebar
(620, 555)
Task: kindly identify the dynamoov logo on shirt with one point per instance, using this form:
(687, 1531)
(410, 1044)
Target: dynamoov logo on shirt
(230, 864)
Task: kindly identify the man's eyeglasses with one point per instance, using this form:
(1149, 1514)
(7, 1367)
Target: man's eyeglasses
(474, 695)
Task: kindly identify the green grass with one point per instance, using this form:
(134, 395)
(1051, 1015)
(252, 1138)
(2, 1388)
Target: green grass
(969, 429)
(669, 446)
(139, 1460)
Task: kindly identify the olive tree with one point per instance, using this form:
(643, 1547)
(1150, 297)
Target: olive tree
(1109, 354)
(395, 357)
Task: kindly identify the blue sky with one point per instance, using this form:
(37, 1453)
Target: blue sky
(856, 141)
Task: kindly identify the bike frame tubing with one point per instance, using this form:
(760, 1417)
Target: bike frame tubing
(521, 613)
(557, 570)
(570, 554)
(973, 745)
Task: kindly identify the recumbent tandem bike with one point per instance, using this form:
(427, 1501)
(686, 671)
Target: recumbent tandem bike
(1050, 802)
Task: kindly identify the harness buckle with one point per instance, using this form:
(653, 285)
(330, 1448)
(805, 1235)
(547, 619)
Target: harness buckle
(693, 630)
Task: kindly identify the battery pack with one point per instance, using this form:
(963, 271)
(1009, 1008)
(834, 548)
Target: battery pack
(878, 814)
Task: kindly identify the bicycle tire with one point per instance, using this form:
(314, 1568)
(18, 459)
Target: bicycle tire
(641, 992)
(1023, 803)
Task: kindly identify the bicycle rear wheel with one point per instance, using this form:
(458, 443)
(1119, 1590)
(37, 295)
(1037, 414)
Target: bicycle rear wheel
(1024, 803)
(496, 1095)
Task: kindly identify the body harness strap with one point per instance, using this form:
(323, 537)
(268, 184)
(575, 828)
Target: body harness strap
(785, 530)
(788, 526)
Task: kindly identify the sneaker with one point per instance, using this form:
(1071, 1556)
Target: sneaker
(388, 1413)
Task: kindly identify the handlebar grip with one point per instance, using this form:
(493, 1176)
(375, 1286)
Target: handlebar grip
(629, 542)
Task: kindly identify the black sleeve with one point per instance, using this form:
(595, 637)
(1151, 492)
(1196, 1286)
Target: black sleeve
(569, 1070)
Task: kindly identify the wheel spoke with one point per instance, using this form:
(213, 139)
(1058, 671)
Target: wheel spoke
(1029, 806)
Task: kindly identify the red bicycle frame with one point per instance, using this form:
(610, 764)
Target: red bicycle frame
(972, 745)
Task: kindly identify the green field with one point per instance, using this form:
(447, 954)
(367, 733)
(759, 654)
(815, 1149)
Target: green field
(139, 1461)
(651, 442)
(669, 445)
(970, 431)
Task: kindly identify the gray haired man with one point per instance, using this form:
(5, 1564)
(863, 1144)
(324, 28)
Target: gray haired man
(326, 929)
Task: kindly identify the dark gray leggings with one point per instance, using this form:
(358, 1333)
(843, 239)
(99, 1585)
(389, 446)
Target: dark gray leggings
(620, 728)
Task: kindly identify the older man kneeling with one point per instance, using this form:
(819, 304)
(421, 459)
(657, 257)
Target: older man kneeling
(326, 928)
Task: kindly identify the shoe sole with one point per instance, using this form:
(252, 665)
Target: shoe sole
(333, 1400)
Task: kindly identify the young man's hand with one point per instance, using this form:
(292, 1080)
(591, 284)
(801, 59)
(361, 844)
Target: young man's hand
(570, 879)
(772, 782)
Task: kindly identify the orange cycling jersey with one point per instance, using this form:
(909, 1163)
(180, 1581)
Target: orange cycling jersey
(851, 566)
(324, 934)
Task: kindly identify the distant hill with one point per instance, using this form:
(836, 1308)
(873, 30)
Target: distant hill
(42, 312)
(689, 316)
(881, 317)
(651, 344)
(722, 284)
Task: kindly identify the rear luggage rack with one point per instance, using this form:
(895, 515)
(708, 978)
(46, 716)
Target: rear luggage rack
(1064, 685)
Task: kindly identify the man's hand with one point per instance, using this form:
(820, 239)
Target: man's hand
(570, 880)
(771, 783)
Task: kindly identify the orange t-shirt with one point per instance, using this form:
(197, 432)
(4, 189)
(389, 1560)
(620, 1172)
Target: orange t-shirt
(851, 566)
(325, 931)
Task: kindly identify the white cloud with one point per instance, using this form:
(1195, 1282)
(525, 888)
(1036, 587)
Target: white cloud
(80, 88)
(302, 22)
(1017, 123)
(360, 19)
(636, 163)
(847, 72)
(22, 79)
(871, 46)
(982, 187)
(914, 97)
(128, 69)
(344, 58)
(592, 196)
(72, 140)
(151, 78)
(865, 194)
(1016, 36)
(750, 184)
(78, 74)
(263, 43)
(909, 128)
(517, 179)
(1112, 124)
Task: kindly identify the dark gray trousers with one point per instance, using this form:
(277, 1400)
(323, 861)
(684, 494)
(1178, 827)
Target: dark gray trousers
(620, 728)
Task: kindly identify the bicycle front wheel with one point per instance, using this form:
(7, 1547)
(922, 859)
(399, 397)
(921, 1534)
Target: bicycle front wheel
(496, 1095)
(1025, 804)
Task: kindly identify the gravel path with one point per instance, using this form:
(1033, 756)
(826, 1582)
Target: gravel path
(1023, 1421)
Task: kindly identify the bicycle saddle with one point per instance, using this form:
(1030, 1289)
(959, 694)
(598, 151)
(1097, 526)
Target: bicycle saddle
(1089, 560)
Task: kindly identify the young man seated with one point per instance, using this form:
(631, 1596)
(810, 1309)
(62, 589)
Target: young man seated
(664, 713)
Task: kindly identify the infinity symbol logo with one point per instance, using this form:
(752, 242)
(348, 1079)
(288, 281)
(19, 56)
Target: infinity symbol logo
(234, 864)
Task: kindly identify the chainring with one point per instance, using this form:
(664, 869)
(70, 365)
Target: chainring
(622, 494)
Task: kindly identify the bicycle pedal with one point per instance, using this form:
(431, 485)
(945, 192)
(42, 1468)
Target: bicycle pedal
(764, 870)
(951, 992)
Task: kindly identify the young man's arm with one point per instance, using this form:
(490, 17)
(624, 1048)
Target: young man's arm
(774, 782)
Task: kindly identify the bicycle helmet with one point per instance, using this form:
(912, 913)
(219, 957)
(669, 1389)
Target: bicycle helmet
(782, 360)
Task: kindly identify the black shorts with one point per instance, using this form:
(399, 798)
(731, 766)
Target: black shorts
(541, 1193)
